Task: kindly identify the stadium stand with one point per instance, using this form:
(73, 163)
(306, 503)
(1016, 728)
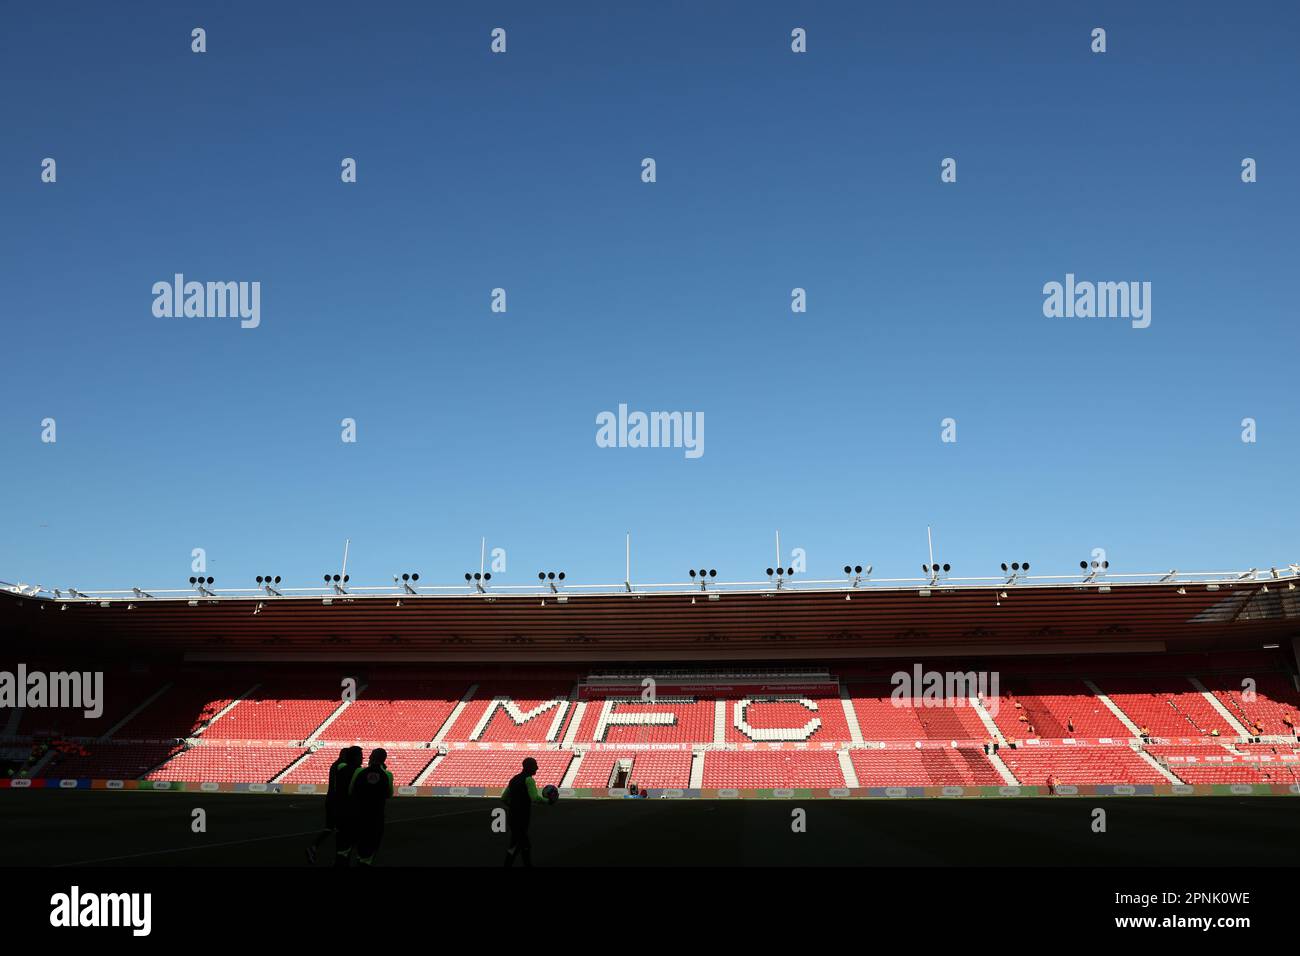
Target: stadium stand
(1226, 764)
(504, 711)
(924, 767)
(1166, 706)
(622, 720)
(494, 768)
(122, 695)
(111, 761)
(1050, 708)
(405, 765)
(235, 764)
(1102, 764)
(649, 768)
(467, 727)
(741, 768)
(280, 709)
(184, 707)
(881, 719)
(1285, 749)
(395, 710)
(776, 718)
(1276, 700)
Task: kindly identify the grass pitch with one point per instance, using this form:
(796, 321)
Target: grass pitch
(114, 828)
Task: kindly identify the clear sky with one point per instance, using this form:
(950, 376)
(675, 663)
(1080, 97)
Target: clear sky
(523, 171)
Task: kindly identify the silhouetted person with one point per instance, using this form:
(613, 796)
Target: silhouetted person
(340, 776)
(519, 796)
(369, 791)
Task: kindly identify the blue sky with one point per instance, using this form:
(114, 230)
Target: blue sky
(522, 171)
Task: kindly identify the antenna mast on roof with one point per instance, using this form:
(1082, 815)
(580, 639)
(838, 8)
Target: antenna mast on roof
(778, 559)
(929, 540)
(339, 587)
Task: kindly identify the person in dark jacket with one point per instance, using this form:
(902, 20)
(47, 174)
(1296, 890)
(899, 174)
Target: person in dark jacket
(336, 807)
(340, 775)
(370, 790)
(519, 796)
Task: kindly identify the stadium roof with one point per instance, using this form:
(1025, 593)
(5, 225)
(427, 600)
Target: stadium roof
(711, 621)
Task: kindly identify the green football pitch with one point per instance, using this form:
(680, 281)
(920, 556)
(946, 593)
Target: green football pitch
(98, 827)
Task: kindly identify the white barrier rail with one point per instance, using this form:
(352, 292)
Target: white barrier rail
(562, 591)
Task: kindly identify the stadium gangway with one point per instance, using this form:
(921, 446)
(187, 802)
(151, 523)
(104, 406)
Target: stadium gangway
(564, 592)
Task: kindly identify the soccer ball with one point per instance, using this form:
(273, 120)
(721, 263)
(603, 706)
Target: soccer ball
(550, 793)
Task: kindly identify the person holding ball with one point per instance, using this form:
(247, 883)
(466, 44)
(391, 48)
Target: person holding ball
(519, 796)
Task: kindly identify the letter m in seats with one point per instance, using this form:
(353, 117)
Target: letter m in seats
(520, 716)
